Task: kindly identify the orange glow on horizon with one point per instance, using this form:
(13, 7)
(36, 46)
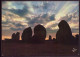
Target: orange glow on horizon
(47, 38)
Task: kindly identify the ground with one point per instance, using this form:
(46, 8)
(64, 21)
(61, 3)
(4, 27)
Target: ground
(49, 48)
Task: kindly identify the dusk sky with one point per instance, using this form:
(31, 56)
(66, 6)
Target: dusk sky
(18, 15)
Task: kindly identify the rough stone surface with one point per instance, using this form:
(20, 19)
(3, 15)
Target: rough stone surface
(64, 34)
(27, 34)
(39, 33)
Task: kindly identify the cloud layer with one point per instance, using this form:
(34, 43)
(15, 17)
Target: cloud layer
(18, 15)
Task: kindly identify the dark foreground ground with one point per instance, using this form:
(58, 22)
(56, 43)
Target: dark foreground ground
(49, 48)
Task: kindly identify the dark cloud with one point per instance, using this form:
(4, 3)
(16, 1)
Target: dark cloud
(41, 19)
(34, 20)
(38, 20)
(20, 12)
(75, 30)
(27, 18)
(52, 17)
(4, 22)
(44, 15)
(18, 26)
(45, 5)
(15, 29)
(13, 26)
(69, 18)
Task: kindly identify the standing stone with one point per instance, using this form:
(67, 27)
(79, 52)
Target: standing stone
(54, 39)
(13, 36)
(50, 38)
(17, 36)
(27, 34)
(64, 34)
(77, 38)
(39, 34)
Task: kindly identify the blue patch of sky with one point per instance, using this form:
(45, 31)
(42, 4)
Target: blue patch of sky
(18, 5)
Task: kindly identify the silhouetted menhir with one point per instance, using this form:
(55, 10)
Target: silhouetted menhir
(64, 34)
(39, 34)
(27, 34)
(50, 38)
(16, 36)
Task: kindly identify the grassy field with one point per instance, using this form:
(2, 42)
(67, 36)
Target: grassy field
(49, 48)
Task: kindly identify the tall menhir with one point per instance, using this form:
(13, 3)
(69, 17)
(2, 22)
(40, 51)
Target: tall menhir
(39, 34)
(27, 34)
(64, 34)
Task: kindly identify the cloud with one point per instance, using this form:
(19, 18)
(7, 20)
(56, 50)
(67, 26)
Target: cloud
(75, 30)
(66, 10)
(43, 7)
(72, 19)
(19, 8)
(43, 19)
(11, 21)
(5, 27)
(17, 26)
(47, 20)
(44, 15)
(34, 21)
(15, 29)
(48, 6)
(11, 17)
(74, 22)
(20, 12)
(19, 15)
(66, 18)
(49, 30)
(52, 17)
(55, 28)
(50, 23)
(8, 5)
